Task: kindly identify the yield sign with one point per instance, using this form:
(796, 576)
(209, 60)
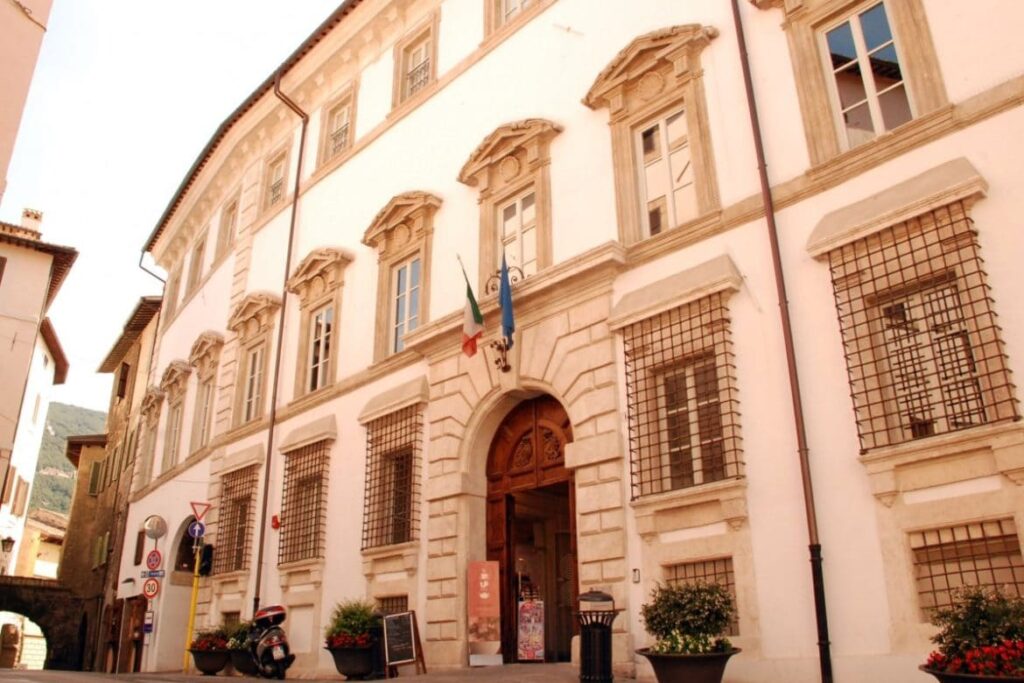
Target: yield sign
(199, 509)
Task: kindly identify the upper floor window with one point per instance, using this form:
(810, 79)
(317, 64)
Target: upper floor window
(252, 320)
(337, 126)
(174, 383)
(122, 379)
(3, 266)
(392, 468)
(401, 233)
(661, 143)
(204, 358)
(509, 9)
(195, 269)
(172, 436)
(171, 293)
(274, 190)
(150, 410)
(304, 503)
(416, 61)
(317, 281)
(252, 380)
(512, 169)
(228, 227)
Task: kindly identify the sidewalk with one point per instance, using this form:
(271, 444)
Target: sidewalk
(538, 673)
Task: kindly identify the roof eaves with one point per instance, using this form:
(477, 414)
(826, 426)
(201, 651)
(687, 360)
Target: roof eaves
(60, 361)
(140, 317)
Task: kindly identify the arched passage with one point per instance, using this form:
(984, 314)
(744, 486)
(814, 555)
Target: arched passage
(531, 529)
(54, 609)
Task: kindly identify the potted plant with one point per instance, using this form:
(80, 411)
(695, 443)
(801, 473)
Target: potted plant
(238, 649)
(980, 638)
(688, 622)
(210, 650)
(349, 639)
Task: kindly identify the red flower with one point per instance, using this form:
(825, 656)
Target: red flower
(1004, 659)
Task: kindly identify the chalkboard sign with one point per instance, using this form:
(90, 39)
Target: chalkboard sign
(400, 638)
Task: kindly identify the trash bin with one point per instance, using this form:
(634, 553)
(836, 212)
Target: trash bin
(596, 614)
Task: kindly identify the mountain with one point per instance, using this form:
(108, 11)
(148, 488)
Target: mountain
(55, 476)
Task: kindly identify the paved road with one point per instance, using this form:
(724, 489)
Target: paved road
(537, 673)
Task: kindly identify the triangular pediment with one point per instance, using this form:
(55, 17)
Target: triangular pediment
(206, 351)
(643, 54)
(399, 210)
(151, 401)
(325, 263)
(175, 376)
(503, 141)
(257, 306)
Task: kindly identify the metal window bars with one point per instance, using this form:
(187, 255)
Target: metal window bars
(338, 141)
(304, 508)
(976, 554)
(393, 604)
(417, 78)
(717, 570)
(393, 447)
(235, 521)
(683, 405)
(920, 335)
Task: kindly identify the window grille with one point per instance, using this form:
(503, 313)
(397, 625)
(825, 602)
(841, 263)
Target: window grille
(718, 570)
(417, 78)
(393, 604)
(237, 503)
(977, 554)
(392, 482)
(276, 191)
(304, 512)
(920, 334)
(680, 386)
(339, 141)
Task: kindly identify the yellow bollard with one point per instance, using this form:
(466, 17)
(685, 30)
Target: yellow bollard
(192, 606)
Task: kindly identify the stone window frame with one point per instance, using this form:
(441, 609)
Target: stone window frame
(401, 230)
(494, 24)
(394, 446)
(226, 238)
(282, 153)
(150, 412)
(345, 97)
(197, 254)
(204, 357)
(509, 161)
(297, 481)
(426, 29)
(318, 282)
(236, 539)
(174, 384)
(805, 24)
(252, 322)
(172, 290)
(656, 73)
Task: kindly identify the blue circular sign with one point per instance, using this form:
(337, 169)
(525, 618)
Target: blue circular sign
(196, 529)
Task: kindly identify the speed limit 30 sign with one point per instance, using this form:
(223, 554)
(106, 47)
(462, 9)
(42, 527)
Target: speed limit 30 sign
(150, 588)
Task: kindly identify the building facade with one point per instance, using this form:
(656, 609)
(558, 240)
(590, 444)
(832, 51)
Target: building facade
(309, 379)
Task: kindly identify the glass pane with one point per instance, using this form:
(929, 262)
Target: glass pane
(685, 199)
(840, 45)
(850, 86)
(650, 142)
(400, 285)
(508, 220)
(858, 125)
(895, 107)
(676, 125)
(682, 169)
(885, 66)
(414, 307)
(529, 245)
(875, 26)
(656, 180)
(414, 279)
(399, 310)
(529, 209)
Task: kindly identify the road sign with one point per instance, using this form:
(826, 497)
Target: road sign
(153, 559)
(199, 509)
(156, 574)
(147, 623)
(150, 588)
(197, 529)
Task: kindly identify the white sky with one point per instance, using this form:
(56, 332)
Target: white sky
(125, 95)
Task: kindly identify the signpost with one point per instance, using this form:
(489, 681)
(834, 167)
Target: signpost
(199, 509)
(150, 588)
(196, 529)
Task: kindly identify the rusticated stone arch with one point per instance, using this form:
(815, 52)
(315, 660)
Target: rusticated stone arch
(57, 612)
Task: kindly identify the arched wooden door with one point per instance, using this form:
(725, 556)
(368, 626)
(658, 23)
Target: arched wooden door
(528, 455)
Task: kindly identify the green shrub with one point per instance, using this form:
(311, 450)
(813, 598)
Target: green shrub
(352, 618)
(978, 617)
(238, 635)
(689, 618)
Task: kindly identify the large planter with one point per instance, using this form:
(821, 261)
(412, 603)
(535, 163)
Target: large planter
(354, 663)
(242, 661)
(707, 668)
(210, 661)
(946, 677)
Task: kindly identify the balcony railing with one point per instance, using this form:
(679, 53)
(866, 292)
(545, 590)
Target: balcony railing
(417, 78)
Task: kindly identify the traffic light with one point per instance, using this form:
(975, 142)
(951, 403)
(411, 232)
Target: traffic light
(206, 560)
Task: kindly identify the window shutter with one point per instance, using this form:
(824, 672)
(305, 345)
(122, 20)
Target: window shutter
(12, 473)
(140, 546)
(94, 479)
(20, 498)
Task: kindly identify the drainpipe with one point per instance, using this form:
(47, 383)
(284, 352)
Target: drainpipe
(272, 416)
(814, 543)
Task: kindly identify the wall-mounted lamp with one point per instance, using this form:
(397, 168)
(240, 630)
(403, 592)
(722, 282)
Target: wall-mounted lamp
(636, 576)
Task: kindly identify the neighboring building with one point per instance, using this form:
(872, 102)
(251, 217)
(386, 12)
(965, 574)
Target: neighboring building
(22, 27)
(41, 545)
(31, 361)
(643, 431)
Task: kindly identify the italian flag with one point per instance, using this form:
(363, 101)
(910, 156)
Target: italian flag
(472, 321)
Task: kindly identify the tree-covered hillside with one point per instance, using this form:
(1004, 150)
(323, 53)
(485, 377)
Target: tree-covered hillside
(55, 477)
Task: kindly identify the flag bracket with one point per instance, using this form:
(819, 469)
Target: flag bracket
(493, 284)
(514, 275)
(501, 361)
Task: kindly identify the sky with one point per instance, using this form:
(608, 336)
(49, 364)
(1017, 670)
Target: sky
(125, 95)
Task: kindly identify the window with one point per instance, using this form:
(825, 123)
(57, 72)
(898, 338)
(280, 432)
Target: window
(509, 9)
(304, 507)
(228, 227)
(3, 266)
(95, 472)
(512, 168)
(148, 454)
(405, 301)
(140, 547)
(661, 144)
(718, 570)
(122, 380)
(150, 411)
(683, 409)
(393, 604)
(666, 179)
(234, 533)
(171, 293)
(35, 409)
(402, 234)
(195, 269)
(392, 481)
(976, 554)
(868, 91)
(274, 190)
(12, 478)
(252, 397)
(204, 357)
(100, 549)
(415, 61)
(921, 338)
(317, 281)
(203, 415)
(321, 329)
(172, 437)
(337, 127)
(20, 498)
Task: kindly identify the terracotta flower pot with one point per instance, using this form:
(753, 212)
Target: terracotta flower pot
(242, 661)
(947, 677)
(210, 661)
(706, 668)
(354, 663)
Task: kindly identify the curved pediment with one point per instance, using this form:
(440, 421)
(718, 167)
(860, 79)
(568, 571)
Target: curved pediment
(254, 313)
(319, 272)
(503, 142)
(175, 377)
(409, 209)
(673, 45)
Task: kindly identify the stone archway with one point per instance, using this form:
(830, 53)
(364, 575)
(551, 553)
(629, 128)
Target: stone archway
(54, 609)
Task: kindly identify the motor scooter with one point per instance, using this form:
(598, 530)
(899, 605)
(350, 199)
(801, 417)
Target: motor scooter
(268, 644)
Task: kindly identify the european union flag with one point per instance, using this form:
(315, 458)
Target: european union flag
(508, 321)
